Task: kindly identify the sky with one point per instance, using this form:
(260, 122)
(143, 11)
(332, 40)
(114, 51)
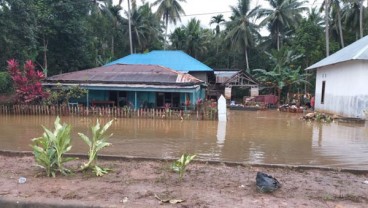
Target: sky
(205, 9)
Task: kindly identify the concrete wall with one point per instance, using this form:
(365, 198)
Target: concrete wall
(346, 89)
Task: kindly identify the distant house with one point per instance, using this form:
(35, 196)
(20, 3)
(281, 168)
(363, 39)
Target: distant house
(138, 86)
(228, 78)
(341, 81)
(176, 60)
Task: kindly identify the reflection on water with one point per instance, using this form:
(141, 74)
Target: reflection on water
(253, 137)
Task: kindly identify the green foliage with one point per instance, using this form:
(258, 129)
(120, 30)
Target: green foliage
(49, 149)
(180, 165)
(98, 142)
(6, 85)
(284, 73)
(64, 94)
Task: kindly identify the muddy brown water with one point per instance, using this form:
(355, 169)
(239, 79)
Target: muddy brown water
(262, 137)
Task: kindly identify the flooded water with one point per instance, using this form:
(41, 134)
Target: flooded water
(266, 137)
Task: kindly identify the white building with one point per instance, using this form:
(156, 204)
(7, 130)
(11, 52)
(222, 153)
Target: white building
(342, 81)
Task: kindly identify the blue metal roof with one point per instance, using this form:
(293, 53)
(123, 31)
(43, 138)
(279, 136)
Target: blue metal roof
(176, 60)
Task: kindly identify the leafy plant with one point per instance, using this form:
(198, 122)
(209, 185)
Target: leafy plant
(180, 165)
(98, 142)
(27, 83)
(49, 149)
(62, 95)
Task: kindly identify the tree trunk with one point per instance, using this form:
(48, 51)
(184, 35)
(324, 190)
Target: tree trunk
(361, 18)
(340, 30)
(130, 29)
(278, 97)
(278, 39)
(246, 60)
(327, 6)
(45, 42)
(167, 22)
(112, 46)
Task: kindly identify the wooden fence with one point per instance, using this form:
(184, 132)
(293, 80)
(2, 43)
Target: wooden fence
(115, 112)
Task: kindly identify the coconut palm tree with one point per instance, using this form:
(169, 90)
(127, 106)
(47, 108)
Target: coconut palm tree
(145, 28)
(113, 13)
(169, 10)
(177, 38)
(243, 33)
(335, 9)
(196, 38)
(284, 15)
(353, 16)
(218, 19)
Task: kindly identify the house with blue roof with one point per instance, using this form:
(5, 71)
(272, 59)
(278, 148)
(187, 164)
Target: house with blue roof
(172, 59)
(341, 81)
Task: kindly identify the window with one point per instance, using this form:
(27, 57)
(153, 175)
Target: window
(323, 92)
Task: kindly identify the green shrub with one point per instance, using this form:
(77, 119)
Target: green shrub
(180, 165)
(6, 83)
(49, 149)
(98, 142)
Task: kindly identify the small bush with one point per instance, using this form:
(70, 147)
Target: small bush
(6, 83)
(180, 165)
(49, 149)
(98, 142)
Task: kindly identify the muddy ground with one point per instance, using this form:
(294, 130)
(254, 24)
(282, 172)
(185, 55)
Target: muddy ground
(142, 183)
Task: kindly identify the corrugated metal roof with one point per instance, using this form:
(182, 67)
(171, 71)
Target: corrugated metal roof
(133, 87)
(127, 74)
(176, 60)
(355, 51)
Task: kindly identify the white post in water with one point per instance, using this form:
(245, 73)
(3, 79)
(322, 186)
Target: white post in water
(221, 108)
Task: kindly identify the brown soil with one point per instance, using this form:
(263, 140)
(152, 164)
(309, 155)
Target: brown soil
(139, 183)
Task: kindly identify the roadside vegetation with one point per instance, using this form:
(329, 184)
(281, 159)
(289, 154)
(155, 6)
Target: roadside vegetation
(49, 150)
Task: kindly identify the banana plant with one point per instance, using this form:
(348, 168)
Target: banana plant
(98, 142)
(49, 149)
(180, 165)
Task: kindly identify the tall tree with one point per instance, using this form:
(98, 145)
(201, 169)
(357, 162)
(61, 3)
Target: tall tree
(327, 24)
(196, 38)
(353, 17)
(335, 9)
(218, 19)
(243, 31)
(146, 29)
(113, 13)
(170, 11)
(283, 16)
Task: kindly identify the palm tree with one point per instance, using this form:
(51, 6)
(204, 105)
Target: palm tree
(353, 16)
(243, 32)
(169, 10)
(284, 15)
(145, 28)
(334, 8)
(218, 19)
(113, 13)
(327, 23)
(178, 38)
(196, 38)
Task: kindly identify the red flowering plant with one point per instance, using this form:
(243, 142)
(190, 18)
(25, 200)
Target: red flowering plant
(27, 82)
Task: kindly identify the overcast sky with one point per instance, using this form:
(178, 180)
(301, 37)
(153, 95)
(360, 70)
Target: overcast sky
(205, 9)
